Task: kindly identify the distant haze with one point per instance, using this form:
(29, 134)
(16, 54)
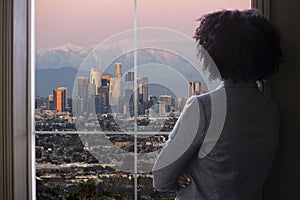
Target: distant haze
(60, 24)
(88, 22)
(58, 67)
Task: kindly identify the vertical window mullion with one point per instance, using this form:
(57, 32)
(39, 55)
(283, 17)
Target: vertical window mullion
(135, 98)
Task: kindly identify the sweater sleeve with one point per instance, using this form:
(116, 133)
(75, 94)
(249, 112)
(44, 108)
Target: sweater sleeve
(182, 146)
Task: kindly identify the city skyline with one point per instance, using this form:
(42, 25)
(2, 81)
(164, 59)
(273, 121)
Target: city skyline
(113, 93)
(69, 150)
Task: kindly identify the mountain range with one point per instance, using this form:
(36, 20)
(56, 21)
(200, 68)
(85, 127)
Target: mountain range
(69, 55)
(58, 67)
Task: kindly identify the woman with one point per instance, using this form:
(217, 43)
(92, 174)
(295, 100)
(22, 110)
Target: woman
(245, 48)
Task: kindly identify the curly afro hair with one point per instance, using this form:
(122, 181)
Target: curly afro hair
(243, 44)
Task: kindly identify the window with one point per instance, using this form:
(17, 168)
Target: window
(15, 139)
(103, 109)
(22, 13)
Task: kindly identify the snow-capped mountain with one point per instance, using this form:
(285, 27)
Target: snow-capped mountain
(59, 66)
(69, 55)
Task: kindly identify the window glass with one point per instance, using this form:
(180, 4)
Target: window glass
(73, 100)
(166, 59)
(95, 94)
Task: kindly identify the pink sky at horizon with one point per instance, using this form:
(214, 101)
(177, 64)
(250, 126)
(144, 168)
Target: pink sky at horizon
(88, 22)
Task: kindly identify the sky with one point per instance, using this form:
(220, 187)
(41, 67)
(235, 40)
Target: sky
(89, 22)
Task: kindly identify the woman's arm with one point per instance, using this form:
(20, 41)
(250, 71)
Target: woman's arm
(183, 144)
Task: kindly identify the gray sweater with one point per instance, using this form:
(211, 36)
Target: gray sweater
(227, 158)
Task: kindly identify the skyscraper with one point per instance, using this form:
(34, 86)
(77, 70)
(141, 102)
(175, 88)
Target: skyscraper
(105, 79)
(115, 90)
(128, 88)
(50, 102)
(90, 108)
(85, 91)
(143, 88)
(83, 83)
(142, 93)
(129, 76)
(95, 79)
(102, 98)
(168, 100)
(161, 108)
(118, 70)
(60, 99)
(194, 88)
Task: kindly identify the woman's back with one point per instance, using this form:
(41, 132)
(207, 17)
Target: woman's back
(237, 166)
(229, 162)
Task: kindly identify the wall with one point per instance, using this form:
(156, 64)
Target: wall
(6, 96)
(284, 91)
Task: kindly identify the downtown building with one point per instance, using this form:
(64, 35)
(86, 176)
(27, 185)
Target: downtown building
(194, 88)
(60, 99)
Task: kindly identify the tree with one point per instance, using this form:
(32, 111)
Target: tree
(85, 191)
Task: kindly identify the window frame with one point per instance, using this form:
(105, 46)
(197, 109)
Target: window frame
(22, 156)
(23, 64)
(17, 155)
(264, 6)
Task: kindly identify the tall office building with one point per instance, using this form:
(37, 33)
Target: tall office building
(143, 89)
(90, 108)
(161, 108)
(78, 105)
(115, 90)
(129, 76)
(95, 79)
(128, 91)
(40, 102)
(85, 91)
(166, 98)
(194, 88)
(142, 93)
(168, 101)
(118, 70)
(60, 99)
(50, 102)
(105, 79)
(83, 83)
(102, 98)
